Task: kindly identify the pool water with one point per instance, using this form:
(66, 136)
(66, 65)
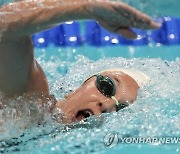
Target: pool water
(154, 114)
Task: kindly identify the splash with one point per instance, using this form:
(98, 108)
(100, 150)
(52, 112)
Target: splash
(154, 113)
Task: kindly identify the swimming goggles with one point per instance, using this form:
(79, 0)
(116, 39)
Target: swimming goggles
(107, 87)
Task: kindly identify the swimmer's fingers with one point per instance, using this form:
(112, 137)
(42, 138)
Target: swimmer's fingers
(116, 16)
(124, 31)
(128, 33)
(136, 18)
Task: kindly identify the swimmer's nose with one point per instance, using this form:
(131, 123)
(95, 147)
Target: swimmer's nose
(105, 107)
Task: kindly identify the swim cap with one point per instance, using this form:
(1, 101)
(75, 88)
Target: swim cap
(141, 78)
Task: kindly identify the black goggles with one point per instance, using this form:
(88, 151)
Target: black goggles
(107, 87)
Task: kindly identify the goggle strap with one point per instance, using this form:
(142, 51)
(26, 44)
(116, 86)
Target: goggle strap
(116, 101)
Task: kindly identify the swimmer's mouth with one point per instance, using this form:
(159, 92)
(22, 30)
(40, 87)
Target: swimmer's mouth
(83, 114)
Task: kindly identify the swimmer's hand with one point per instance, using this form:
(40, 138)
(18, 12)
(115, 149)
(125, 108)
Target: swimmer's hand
(28, 17)
(118, 17)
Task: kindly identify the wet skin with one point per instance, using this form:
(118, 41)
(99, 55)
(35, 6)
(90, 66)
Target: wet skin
(88, 98)
(20, 73)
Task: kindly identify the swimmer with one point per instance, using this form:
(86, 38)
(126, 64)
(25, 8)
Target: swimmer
(20, 73)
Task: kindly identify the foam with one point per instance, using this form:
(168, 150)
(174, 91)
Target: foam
(154, 113)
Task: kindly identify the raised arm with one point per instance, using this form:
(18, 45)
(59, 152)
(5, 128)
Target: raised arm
(19, 71)
(28, 17)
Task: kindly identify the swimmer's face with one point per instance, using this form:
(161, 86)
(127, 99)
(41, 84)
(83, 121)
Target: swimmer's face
(87, 100)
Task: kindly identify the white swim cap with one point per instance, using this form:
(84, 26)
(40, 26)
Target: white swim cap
(141, 78)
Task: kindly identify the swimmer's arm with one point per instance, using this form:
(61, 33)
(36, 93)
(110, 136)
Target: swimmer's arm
(28, 17)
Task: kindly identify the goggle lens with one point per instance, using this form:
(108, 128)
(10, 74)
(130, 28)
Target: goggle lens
(105, 85)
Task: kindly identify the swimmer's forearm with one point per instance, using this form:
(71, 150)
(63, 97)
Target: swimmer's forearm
(28, 17)
(33, 16)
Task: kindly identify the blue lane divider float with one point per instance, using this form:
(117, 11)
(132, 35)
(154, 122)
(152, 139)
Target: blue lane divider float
(40, 39)
(72, 35)
(98, 36)
(68, 34)
(169, 33)
(178, 25)
(92, 34)
(142, 38)
(56, 36)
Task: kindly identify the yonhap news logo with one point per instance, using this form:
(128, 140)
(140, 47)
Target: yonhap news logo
(113, 138)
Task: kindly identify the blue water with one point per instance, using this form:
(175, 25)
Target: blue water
(154, 114)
